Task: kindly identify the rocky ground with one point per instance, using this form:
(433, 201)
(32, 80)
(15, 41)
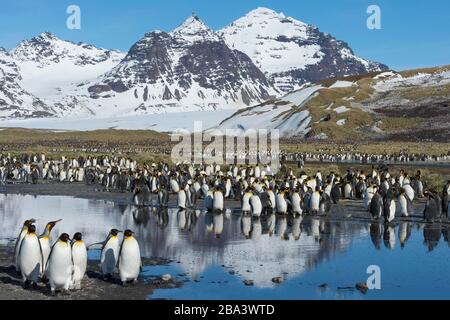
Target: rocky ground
(93, 285)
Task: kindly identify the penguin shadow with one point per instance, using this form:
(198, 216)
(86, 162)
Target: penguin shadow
(98, 276)
(11, 277)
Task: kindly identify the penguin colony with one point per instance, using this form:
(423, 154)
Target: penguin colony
(63, 265)
(119, 173)
(256, 187)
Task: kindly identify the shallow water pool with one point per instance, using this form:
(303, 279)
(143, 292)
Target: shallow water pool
(214, 254)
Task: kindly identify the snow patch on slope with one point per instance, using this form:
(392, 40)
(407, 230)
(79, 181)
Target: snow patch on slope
(286, 114)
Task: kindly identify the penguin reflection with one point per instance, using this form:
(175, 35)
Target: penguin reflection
(431, 235)
(163, 217)
(218, 224)
(271, 221)
(404, 232)
(375, 234)
(246, 224)
(209, 222)
(281, 228)
(141, 216)
(181, 217)
(389, 236)
(296, 227)
(256, 232)
(446, 234)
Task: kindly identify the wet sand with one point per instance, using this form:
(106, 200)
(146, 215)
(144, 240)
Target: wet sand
(93, 285)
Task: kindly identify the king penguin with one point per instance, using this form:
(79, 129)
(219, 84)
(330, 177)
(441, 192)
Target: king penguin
(218, 200)
(256, 205)
(44, 239)
(315, 201)
(389, 208)
(376, 206)
(22, 234)
(110, 253)
(59, 266)
(130, 263)
(30, 258)
(79, 258)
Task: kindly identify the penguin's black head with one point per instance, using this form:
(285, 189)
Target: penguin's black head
(77, 236)
(114, 232)
(64, 237)
(28, 223)
(128, 233)
(32, 228)
(52, 224)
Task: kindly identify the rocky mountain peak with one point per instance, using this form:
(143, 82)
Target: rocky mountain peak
(194, 30)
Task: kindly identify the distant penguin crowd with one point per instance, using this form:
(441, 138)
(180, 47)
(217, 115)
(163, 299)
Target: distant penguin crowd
(259, 190)
(63, 264)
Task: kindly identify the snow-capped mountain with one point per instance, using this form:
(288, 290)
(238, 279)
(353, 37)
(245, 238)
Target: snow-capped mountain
(15, 101)
(190, 68)
(48, 65)
(291, 52)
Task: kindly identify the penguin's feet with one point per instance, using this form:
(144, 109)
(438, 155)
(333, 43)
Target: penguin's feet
(26, 284)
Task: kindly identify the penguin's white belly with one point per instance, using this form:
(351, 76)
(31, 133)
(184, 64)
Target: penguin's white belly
(109, 256)
(246, 203)
(181, 199)
(272, 199)
(218, 201)
(45, 245)
(392, 208)
(348, 191)
(79, 257)
(281, 205)
(16, 253)
(256, 205)
(403, 205)
(59, 270)
(368, 198)
(409, 192)
(315, 201)
(174, 186)
(296, 203)
(30, 258)
(130, 260)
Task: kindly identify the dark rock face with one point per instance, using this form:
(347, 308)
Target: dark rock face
(182, 63)
(333, 64)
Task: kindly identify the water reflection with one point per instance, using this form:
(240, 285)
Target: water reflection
(259, 248)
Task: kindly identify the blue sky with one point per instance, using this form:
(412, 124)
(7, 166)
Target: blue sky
(414, 33)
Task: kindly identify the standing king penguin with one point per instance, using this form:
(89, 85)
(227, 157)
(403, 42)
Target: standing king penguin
(130, 263)
(22, 235)
(110, 253)
(59, 266)
(30, 259)
(79, 258)
(44, 239)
